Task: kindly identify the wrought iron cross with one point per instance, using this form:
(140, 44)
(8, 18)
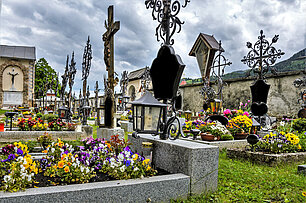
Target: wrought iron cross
(87, 56)
(262, 55)
(64, 79)
(96, 95)
(71, 76)
(219, 63)
(108, 38)
(165, 12)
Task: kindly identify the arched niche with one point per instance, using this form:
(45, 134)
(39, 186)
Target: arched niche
(7, 82)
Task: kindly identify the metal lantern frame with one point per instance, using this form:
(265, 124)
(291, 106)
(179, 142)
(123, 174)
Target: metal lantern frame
(140, 115)
(187, 114)
(63, 112)
(86, 113)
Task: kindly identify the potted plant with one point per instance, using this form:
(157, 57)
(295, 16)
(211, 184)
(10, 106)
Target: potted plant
(240, 126)
(213, 131)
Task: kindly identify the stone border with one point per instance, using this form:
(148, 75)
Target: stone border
(14, 136)
(269, 159)
(199, 161)
(221, 144)
(157, 189)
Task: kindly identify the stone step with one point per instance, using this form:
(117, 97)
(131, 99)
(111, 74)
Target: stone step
(37, 149)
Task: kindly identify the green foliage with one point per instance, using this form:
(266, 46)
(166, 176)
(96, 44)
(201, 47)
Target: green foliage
(44, 74)
(299, 124)
(49, 117)
(227, 137)
(243, 181)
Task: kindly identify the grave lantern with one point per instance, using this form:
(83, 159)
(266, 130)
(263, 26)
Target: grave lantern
(187, 115)
(120, 100)
(255, 126)
(215, 105)
(86, 110)
(147, 113)
(63, 112)
(101, 113)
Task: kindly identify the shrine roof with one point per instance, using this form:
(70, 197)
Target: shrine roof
(137, 74)
(19, 52)
(209, 40)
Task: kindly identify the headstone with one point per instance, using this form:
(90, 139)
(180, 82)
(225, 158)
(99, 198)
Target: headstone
(13, 98)
(259, 91)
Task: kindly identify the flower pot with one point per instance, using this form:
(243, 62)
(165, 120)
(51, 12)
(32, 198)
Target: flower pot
(1, 127)
(209, 137)
(240, 136)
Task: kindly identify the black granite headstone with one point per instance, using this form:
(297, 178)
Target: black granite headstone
(178, 102)
(259, 91)
(108, 111)
(166, 72)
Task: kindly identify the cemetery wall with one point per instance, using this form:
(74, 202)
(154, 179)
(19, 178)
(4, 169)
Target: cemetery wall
(282, 99)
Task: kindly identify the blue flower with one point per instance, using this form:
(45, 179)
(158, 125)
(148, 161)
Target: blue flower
(127, 163)
(19, 151)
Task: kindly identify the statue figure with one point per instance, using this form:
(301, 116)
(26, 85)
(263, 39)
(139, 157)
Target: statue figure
(13, 74)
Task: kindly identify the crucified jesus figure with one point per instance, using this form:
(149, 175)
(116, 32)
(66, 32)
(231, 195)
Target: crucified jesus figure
(13, 74)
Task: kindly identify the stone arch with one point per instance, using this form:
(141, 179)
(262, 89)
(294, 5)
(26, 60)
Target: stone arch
(25, 71)
(132, 92)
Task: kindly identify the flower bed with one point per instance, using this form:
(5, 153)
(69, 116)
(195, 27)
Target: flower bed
(67, 164)
(265, 158)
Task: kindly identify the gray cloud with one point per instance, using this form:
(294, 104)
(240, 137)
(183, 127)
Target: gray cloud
(58, 27)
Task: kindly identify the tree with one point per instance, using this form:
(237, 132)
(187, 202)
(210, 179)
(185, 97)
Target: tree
(45, 78)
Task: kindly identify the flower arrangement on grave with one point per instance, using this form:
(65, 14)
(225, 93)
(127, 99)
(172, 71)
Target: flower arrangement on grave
(45, 140)
(281, 142)
(217, 130)
(57, 125)
(71, 126)
(17, 167)
(195, 124)
(25, 124)
(239, 124)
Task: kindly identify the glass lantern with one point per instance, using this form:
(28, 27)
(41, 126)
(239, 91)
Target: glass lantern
(63, 112)
(147, 113)
(215, 105)
(188, 115)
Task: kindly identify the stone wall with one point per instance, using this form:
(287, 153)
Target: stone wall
(282, 98)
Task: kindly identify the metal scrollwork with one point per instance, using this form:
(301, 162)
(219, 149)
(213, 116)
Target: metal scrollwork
(87, 56)
(145, 80)
(207, 91)
(262, 55)
(165, 13)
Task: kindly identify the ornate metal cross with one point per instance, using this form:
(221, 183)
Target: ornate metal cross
(219, 63)
(64, 79)
(87, 56)
(96, 95)
(108, 38)
(71, 75)
(262, 55)
(165, 13)
(145, 80)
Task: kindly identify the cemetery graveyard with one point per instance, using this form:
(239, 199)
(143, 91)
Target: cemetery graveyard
(148, 135)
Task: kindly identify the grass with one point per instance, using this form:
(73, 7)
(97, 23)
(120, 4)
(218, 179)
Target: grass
(243, 181)
(2, 111)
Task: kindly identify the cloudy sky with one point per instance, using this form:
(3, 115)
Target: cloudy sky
(58, 27)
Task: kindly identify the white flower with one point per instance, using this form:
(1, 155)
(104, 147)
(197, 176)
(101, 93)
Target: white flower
(122, 168)
(19, 159)
(112, 159)
(15, 148)
(87, 170)
(105, 162)
(72, 159)
(82, 169)
(7, 178)
(120, 157)
(136, 169)
(22, 168)
(282, 123)
(62, 150)
(29, 178)
(52, 150)
(74, 165)
(23, 175)
(128, 153)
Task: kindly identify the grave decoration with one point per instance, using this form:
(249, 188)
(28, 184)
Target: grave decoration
(95, 160)
(108, 39)
(71, 75)
(167, 68)
(123, 99)
(84, 105)
(261, 56)
(299, 83)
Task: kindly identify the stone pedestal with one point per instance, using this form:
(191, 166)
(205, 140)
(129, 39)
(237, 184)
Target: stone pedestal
(199, 161)
(108, 132)
(87, 130)
(126, 126)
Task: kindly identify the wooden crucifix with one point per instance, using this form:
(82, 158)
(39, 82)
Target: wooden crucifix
(108, 38)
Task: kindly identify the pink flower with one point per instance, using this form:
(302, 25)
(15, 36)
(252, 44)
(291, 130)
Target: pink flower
(246, 113)
(227, 111)
(249, 101)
